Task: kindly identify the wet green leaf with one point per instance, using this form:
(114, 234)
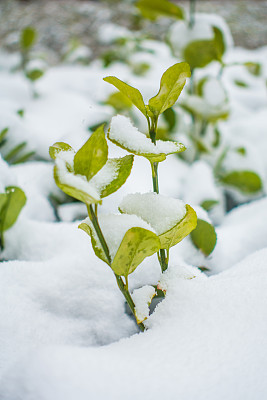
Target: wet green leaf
(179, 231)
(136, 245)
(152, 9)
(130, 92)
(28, 37)
(171, 85)
(93, 155)
(248, 182)
(204, 237)
(11, 204)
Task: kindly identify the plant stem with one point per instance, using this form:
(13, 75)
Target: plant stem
(123, 287)
(192, 13)
(99, 233)
(154, 168)
(163, 259)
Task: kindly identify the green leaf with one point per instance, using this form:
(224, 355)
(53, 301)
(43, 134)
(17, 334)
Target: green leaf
(28, 38)
(122, 167)
(15, 151)
(253, 67)
(132, 93)
(11, 204)
(93, 155)
(204, 237)
(209, 204)
(170, 117)
(119, 101)
(3, 135)
(179, 231)
(95, 242)
(248, 182)
(200, 53)
(152, 9)
(241, 83)
(136, 245)
(171, 85)
(57, 148)
(77, 188)
(34, 74)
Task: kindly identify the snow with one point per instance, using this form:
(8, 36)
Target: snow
(122, 131)
(142, 298)
(161, 212)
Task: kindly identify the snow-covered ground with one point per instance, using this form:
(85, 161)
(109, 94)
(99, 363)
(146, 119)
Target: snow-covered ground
(64, 332)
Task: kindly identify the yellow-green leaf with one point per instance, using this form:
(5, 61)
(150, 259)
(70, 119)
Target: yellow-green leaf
(136, 245)
(132, 93)
(122, 168)
(171, 85)
(57, 148)
(204, 237)
(95, 242)
(179, 231)
(200, 53)
(93, 155)
(28, 37)
(78, 188)
(152, 9)
(11, 205)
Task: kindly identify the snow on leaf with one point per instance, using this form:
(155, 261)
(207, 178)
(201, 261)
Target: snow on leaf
(124, 134)
(142, 298)
(171, 219)
(113, 175)
(57, 148)
(114, 227)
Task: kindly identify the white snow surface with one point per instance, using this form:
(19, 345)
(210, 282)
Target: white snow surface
(212, 330)
(126, 134)
(161, 212)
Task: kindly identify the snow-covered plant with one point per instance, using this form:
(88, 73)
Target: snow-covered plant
(150, 222)
(11, 203)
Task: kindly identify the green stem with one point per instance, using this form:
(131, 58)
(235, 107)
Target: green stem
(192, 13)
(123, 287)
(163, 260)
(154, 168)
(99, 233)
